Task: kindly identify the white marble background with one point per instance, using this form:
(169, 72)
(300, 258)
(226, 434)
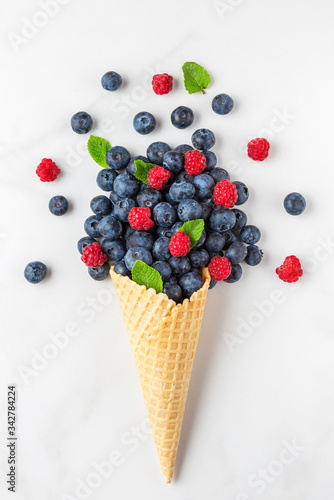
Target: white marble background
(259, 416)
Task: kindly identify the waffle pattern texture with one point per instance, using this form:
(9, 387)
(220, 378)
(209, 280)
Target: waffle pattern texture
(164, 338)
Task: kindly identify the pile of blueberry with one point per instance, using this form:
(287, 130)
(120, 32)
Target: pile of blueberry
(184, 198)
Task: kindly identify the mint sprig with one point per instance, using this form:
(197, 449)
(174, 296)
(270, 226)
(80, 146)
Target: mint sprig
(194, 229)
(196, 78)
(142, 170)
(97, 148)
(146, 275)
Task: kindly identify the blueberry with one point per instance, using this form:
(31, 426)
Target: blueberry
(254, 255)
(131, 167)
(155, 152)
(250, 234)
(180, 190)
(199, 258)
(114, 250)
(215, 242)
(213, 283)
(92, 226)
(166, 196)
(137, 253)
(164, 214)
(241, 218)
(179, 265)
(111, 81)
(294, 203)
(189, 210)
(105, 179)
(35, 272)
(182, 117)
(120, 268)
(175, 227)
(110, 227)
(84, 242)
(163, 268)
(117, 157)
(58, 205)
(211, 160)
(122, 208)
(207, 207)
(236, 252)
(128, 231)
(99, 273)
(163, 232)
(81, 122)
(173, 161)
(149, 197)
(230, 238)
(101, 205)
(222, 104)
(222, 219)
(219, 174)
(203, 139)
(201, 240)
(204, 185)
(173, 291)
(161, 249)
(140, 239)
(190, 283)
(114, 198)
(235, 275)
(144, 123)
(243, 192)
(126, 186)
(183, 148)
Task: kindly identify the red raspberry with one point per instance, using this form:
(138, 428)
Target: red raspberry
(93, 256)
(225, 194)
(219, 268)
(158, 177)
(258, 149)
(194, 162)
(162, 84)
(139, 218)
(290, 271)
(179, 244)
(47, 170)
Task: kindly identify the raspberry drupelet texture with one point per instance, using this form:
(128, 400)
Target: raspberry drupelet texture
(47, 170)
(179, 245)
(93, 256)
(194, 162)
(220, 268)
(139, 218)
(162, 84)
(291, 270)
(158, 177)
(225, 194)
(258, 149)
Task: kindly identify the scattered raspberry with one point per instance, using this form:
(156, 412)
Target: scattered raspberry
(93, 256)
(258, 149)
(194, 162)
(47, 170)
(162, 84)
(139, 218)
(158, 177)
(225, 194)
(219, 268)
(179, 244)
(290, 271)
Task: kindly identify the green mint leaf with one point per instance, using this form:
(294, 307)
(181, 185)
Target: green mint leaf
(97, 148)
(147, 276)
(196, 78)
(142, 170)
(194, 229)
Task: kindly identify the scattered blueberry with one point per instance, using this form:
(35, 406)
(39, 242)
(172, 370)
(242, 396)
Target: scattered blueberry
(122, 208)
(211, 160)
(140, 239)
(149, 198)
(105, 179)
(131, 167)
(164, 214)
(173, 161)
(144, 123)
(241, 218)
(254, 255)
(215, 242)
(85, 242)
(204, 184)
(230, 238)
(58, 205)
(222, 219)
(182, 117)
(110, 227)
(101, 205)
(117, 157)
(120, 268)
(126, 186)
(219, 174)
(235, 275)
(81, 122)
(92, 226)
(155, 152)
(161, 249)
(189, 210)
(114, 250)
(99, 273)
(236, 252)
(250, 234)
(183, 148)
(203, 139)
(111, 81)
(35, 272)
(222, 104)
(243, 192)
(294, 203)
(180, 190)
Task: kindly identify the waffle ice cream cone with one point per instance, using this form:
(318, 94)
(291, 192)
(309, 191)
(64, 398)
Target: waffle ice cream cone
(164, 338)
